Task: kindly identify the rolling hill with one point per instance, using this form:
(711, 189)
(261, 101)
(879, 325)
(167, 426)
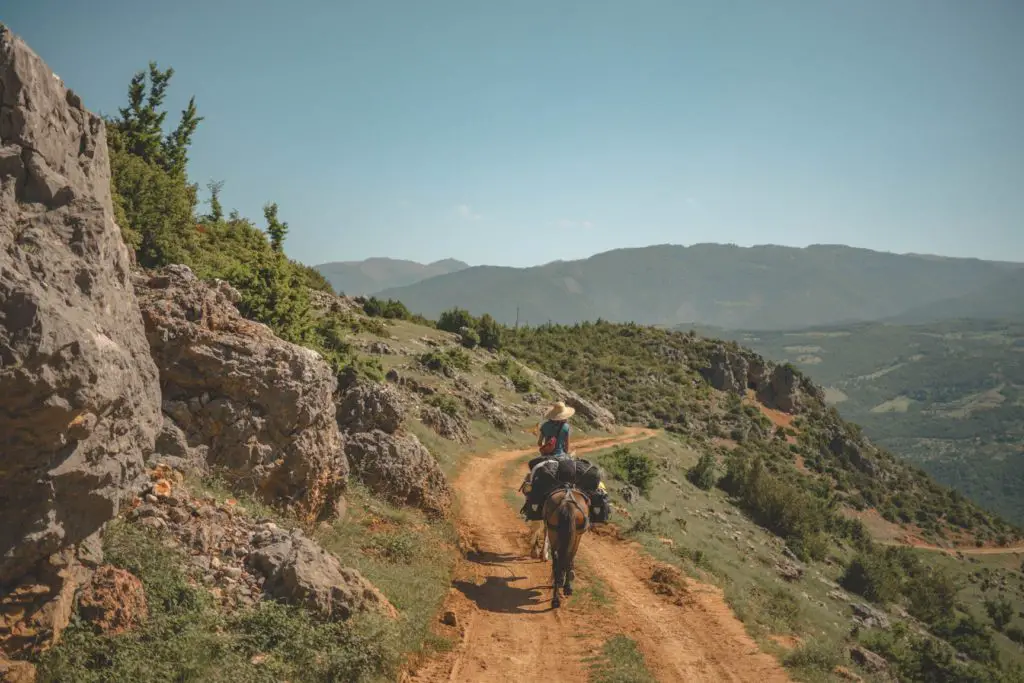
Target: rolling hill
(948, 396)
(762, 287)
(374, 274)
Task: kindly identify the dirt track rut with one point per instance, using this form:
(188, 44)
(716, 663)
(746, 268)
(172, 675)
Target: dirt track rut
(506, 631)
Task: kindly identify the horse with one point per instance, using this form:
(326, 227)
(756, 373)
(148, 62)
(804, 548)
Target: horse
(566, 516)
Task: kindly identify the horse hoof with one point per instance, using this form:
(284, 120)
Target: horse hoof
(556, 603)
(567, 590)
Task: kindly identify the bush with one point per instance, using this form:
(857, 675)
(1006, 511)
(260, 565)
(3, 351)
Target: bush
(631, 466)
(490, 333)
(702, 475)
(454, 320)
(872, 576)
(1000, 611)
(445, 362)
(469, 338)
(390, 309)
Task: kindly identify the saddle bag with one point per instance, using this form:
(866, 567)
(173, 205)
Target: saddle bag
(600, 508)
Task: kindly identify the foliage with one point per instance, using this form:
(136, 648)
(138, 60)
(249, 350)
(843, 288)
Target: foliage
(469, 338)
(777, 504)
(454, 320)
(510, 369)
(1000, 611)
(922, 659)
(630, 466)
(155, 206)
(445, 362)
(702, 475)
(389, 309)
(484, 331)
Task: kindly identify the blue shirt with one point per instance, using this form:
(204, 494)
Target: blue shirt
(550, 429)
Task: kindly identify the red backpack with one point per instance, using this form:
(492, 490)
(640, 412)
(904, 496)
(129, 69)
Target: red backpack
(550, 444)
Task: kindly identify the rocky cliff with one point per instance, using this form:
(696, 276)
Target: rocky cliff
(79, 399)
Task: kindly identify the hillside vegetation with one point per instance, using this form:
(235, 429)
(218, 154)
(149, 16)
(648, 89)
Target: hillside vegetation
(762, 287)
(946, 396)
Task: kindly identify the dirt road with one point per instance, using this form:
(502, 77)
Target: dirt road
(506, 630)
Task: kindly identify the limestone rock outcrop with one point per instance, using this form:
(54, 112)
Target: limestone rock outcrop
(260, 410)
(79, 394)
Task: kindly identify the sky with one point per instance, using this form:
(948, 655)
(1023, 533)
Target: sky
(520, 132)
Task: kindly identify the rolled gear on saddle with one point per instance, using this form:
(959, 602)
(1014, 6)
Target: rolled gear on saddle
(538, 485)
(589, 480)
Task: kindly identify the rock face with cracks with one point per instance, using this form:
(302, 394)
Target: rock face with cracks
(259, 409)
(299, 571)
(399, 468)
(79, 398)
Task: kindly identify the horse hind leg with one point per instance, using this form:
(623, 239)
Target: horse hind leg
(556, 581)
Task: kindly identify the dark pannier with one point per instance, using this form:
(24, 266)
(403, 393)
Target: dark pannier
(600, 507)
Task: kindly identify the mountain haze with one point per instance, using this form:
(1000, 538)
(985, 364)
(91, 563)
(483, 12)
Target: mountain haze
(374, 274)
(761, 287)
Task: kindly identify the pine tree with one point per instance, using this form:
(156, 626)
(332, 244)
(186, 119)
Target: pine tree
(275, 228)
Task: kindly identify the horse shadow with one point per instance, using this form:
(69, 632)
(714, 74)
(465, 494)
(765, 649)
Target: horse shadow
(497, 594)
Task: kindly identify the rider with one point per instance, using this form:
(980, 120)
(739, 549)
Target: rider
(556, 427)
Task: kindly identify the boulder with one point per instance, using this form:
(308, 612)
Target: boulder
(777, 386)
(453, 427)
(299, 571)
(870, 661)
(260, 408)
(114, 601)
(366, 406)
(399, 468)
(79, 397)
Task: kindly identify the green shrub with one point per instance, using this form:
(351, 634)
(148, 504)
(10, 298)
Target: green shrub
(1000, 611)
(469, 338)
(490, 332)
(702, 475)
(630, 466)
(447, 404)
(872, 576)
(390, 309)
(454, 320)
(445, 362)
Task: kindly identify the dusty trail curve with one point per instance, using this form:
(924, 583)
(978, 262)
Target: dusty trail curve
(506, 630)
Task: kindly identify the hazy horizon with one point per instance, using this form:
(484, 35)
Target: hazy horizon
(516, 135)
(664, 244)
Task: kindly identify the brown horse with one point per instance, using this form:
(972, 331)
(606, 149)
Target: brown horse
(566, 515)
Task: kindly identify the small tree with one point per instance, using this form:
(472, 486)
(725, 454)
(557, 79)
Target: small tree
(454, 320)
(490, 332)
(275, 228)
(1000, 611)
(702, 475)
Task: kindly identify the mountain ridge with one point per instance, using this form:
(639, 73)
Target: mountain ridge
(376, 273)
(761, 287)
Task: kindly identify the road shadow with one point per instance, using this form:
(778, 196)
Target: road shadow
(490, 559)
(497, 594)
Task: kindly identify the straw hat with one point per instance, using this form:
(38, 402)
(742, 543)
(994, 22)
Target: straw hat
(559, 411)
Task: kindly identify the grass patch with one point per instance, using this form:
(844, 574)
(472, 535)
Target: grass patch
(620, 661)
(187, 639)
(815, 659)
(406, 555)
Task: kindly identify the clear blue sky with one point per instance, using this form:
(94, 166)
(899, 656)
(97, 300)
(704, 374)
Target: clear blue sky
(519, 132)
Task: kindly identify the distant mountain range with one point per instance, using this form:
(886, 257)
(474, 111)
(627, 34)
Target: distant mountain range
(761, 287)
(374, 274)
